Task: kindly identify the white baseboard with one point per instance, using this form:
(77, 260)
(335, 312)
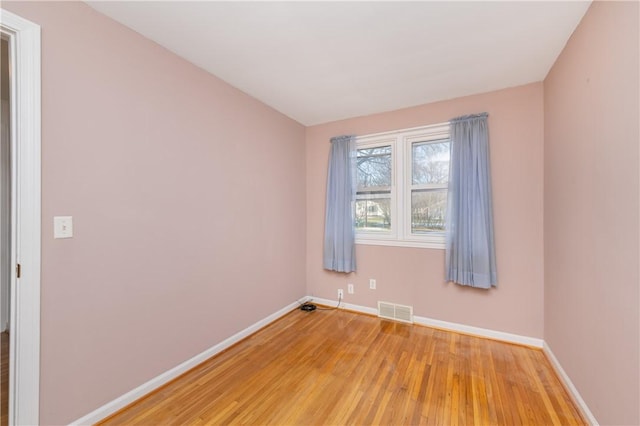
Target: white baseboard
(481, 332)
(577, 398)
(347, 306)
(142, 390)
(445, 325)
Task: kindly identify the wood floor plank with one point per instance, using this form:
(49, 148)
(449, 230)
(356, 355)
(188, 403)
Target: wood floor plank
(339, 367)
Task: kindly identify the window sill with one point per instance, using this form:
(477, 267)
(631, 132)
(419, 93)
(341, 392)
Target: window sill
(439, 245)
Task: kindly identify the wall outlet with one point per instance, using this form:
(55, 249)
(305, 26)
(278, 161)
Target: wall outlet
(340, 293)
(372, 284)
(350, 288)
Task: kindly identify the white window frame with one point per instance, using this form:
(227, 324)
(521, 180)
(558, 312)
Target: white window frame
(401, 141)
(377, 141)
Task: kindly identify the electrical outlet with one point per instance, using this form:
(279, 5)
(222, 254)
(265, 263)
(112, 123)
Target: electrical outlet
(350, 288)
(340, 293)
(372, 284)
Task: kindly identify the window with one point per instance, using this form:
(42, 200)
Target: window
(373, 200)
(401, 196)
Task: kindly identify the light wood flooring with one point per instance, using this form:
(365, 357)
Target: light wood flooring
(336, 367)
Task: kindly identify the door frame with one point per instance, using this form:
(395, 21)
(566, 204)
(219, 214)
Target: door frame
(24, 351)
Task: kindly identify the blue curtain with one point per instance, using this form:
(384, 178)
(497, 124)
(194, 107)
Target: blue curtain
(470, 255)
(339, 227)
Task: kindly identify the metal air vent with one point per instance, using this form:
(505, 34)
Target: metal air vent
(395, 312)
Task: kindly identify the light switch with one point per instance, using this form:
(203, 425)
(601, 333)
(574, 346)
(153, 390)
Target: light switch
(62, 226)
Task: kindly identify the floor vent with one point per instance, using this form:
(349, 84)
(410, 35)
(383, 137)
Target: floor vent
(395, 312)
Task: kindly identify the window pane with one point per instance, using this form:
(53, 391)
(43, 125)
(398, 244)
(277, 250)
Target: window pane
(373, 214)
(374, 167)
(430, 162)
(428, 210)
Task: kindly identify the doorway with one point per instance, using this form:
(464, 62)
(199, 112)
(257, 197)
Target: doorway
(5, 227)
(23, 38)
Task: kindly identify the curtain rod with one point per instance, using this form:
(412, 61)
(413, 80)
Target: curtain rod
(427, 127)
(470, 116)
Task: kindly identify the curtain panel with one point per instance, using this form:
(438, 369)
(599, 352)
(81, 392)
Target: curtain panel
(339, 226)
(470, 252)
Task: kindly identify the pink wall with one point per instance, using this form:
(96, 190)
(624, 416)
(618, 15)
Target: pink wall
(416, 276)
(188, 205)
(591, 211)
(176, 203)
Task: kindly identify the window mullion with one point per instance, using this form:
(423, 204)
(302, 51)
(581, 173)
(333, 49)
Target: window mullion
(406, 213)
(397, 191)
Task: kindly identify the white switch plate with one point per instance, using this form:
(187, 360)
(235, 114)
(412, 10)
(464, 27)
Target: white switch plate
(350, 288)
(372, 284)
(62, 226)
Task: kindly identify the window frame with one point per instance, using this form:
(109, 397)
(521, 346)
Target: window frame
(375, 142)
(401, 142)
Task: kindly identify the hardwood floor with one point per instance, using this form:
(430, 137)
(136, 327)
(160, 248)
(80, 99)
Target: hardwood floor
(338, 367)
(4, 379)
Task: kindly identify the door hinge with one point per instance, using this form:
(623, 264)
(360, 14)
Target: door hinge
(18, 270)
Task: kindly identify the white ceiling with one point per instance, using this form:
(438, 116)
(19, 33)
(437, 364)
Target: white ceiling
(323, 61)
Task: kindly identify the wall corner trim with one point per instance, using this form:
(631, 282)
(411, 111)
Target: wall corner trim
(566, 381)
(145, 388)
